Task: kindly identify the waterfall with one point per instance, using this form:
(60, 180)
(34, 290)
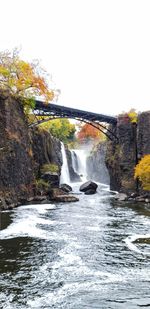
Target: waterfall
(74, 161)
(64, 177)
(96, 167)
(79, 162)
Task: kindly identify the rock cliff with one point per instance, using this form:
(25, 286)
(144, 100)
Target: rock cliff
(22, 152)
(123, 154)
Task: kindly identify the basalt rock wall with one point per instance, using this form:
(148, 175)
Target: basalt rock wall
(46, 149)
(22, 152)
(122, 155)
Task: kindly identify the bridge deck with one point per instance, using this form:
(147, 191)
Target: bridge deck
(63, 111)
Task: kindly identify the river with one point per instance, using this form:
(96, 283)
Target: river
(88, 254)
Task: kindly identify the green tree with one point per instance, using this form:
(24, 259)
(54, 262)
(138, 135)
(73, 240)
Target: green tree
(60, 128)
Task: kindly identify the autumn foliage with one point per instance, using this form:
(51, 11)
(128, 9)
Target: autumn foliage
(142, 171)
(23, 79)
(60, 128)
(88, 132)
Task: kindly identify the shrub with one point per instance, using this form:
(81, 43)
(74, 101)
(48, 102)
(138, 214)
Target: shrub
(42, 186)
(133, 115)
(142, 171)
(52, 168)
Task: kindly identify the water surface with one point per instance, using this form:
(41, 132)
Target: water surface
(90, 254)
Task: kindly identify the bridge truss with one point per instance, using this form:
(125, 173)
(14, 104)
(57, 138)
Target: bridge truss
(45, 112)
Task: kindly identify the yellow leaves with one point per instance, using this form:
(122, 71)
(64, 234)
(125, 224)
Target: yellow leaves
(142, 171)
(22, 78)
(4, 71)
(133, 115)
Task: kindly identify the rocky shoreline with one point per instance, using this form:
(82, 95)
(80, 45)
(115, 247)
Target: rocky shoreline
(133, 197)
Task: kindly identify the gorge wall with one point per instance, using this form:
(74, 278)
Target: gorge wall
(22, 153)
(123, 154)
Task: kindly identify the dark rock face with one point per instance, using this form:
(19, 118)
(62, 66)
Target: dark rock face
(96, 167)
(143, 134)
(46, 149)
(51, 178)
(23, 151)
(89, 185)
(16, 161)
(122, 156)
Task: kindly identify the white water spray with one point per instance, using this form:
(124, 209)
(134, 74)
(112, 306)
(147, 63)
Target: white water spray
(64, 177)
(79, 162)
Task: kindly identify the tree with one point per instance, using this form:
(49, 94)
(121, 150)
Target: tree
(142, 171)
(60, 128)
(89, 132)
(23, 79)
(133, 115)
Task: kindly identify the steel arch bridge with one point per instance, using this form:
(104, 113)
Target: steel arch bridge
(51, 111)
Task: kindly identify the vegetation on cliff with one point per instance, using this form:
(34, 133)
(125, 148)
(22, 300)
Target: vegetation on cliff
(129, 117)
(142, 171)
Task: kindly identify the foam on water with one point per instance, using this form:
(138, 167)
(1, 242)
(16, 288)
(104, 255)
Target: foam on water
(130, 243)
(26, 222)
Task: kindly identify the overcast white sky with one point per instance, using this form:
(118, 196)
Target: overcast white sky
(98, 51)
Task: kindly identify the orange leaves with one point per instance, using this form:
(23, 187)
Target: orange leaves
(88, 132)
(22, 78)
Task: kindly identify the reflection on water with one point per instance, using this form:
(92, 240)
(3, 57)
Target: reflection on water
(5, 219)
(90, 254)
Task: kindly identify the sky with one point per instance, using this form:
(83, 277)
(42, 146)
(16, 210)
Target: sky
(97, 51)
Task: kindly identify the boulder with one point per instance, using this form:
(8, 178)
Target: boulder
(121, 197)
(88, 186)
(39, 198)
(58, 195)
(51, 178)
(66, 188)
(90, 191)
(66, 198)
(54, 192)
(140, 199)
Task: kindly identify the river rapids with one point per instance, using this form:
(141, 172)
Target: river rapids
(90, 254)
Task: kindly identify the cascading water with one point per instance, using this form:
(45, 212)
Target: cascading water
(64, 177)
(79, 162)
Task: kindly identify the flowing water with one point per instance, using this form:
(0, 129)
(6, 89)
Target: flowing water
(94, 253)
(64, 177)
(90, 254)
(79, 162)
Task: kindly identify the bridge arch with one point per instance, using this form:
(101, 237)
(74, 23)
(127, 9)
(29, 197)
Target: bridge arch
(53, 111)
